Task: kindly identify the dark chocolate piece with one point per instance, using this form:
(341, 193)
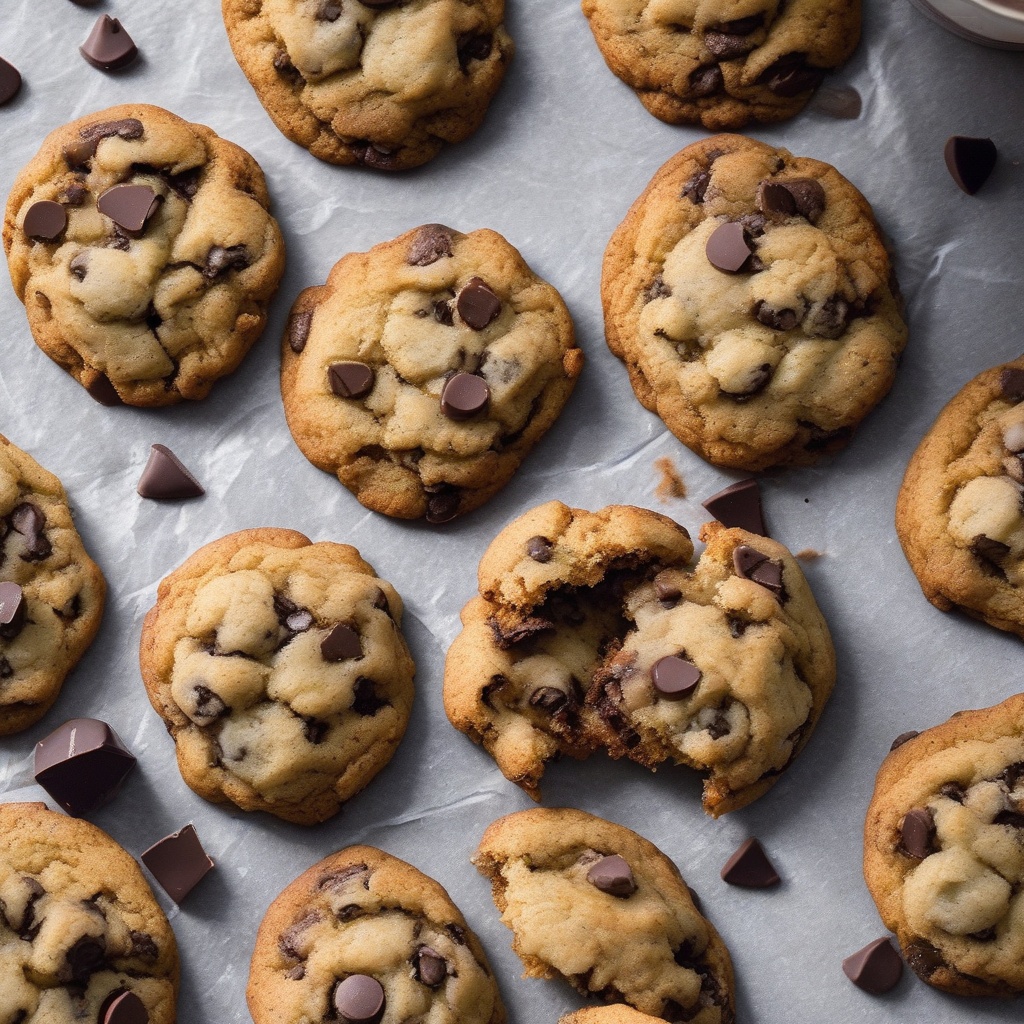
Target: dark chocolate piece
(808, 197)
(45, 221)
(739, 505)
(707, 80)
(674, 677)
(1011, 384)
(102, 390)
(464, 395)
(775, 200)
(109, 47)
(350, 380)
(127, 1008)
(431, 967)
(539, 549)
(750, 868)
(970, 161)
(752, 565)
(178, 862)
(917, 833)
(341, 644)
(359, 999)
(129, 206)
(902, 738)
(614, 876)
(165, 477)
(477, 304)
(298, 330)
(728, 249)
(10, 82)
(876, 968)
(432, 243)
(13, 609)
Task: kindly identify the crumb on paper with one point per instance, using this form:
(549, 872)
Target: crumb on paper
(808, 555)
(671, 485)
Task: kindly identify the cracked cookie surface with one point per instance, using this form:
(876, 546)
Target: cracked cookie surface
(959, 513)
(382, 84)
(943, 850)
(570, 886)
(78, 923)
(280, 670)
(423, 372)
(363, 913)
(143, 249)
(752, 299)
(51, 592)
(724, 63)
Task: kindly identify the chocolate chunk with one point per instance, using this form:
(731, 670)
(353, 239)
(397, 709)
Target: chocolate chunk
(917, 833)
(667, 593)
(476, 46)
(431, 968)
(298, 330)
(79, 265)
(539, 549)
(694, 190)
(752, 565)
(126, 1008)
(78, 154)
(750, 868)
(178, 862)
(989, 550)
(808, 197)
(220, 260)
(442, 503)
(82, 961)
(74, 194)
(359, 999)
(970, 161)
(101, 390)
(790, 75)
(876, 968)
(365, 701)
(658, 289)
(82, 765)
(775, 200)
(341, 644)
(129, 206)
(315, 730)
(350, 380)
(902, 738)
(477, 304)
(10, 82)
(165, 477)
(28, 520)
(208, 705)
(431, 243)
(674, 677)
(828, 319)
(776, 319)
(924, 959)
(707, 81)
(443, 313)
(109, 47)
(13, 610)
(726, 45)
(45, 221)
(548, 698)
(613, 876)
(1011, 384)
(464, 395)
(953, 791)
(728, 248)
(739, 505)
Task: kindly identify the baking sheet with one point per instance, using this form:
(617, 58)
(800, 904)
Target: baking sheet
(564, 151)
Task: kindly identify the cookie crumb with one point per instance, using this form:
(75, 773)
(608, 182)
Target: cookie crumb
(671, 485)
(808, 555)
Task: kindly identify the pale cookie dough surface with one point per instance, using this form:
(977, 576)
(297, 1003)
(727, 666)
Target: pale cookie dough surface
(779, 362)
(362, 911)
(261, 714)
(674, 964)
(959, 515)
(396, 312)
(956, 902)
(724, 63)
(78, 923)
(63, 590)
(158, 313)
(385, 85)
(618, 1013)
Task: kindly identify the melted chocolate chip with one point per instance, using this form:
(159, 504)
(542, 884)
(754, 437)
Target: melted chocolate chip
(476, 46)
(548, 699)
(208, 706)
(539, 549)
(989, 551)
(696, 187)
(220, 260)
(658, 289)
(315, 730)
(430, 967)
(443, 313)
(366, 702)
(776, 319)
(77, 154)
(917, 833)
(28, 520)
(924, 959)
(298, 330)
(431, 243)
(902, 738)
(790, 76)
(707, 81)
(442, 503)
(45, 221)
(614, 876)
(350, 380)
(728, 248)
(953, 791)
(727, 45)
(82, 960)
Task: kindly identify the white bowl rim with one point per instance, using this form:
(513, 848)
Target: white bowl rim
(1000, 8)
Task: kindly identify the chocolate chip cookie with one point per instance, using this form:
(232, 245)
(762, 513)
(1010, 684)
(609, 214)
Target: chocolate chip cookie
(424, 370)
(959, 515)
(723, 63)
(372, 82)
(79, 926)
(595, 630)
(279, 667)
(753, 302)
(363, 936)
(51, 591)
(144, 252)
(617, 1013)
(943, 850)
(571, 887)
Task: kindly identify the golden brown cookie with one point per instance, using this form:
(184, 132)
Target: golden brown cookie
(617, 1013)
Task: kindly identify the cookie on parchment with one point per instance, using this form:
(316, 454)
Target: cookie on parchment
(79, 926)
(752, 299)
(363, 929)
(372, 82)
(600, 906)
(959, 515)
(617, 1013)
(144, 252)
(723, 63)
(280, 670)
(944, 850)
(51, 592)
(424, 370)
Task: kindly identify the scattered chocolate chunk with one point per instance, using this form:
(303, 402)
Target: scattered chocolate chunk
(917, 833)
(953, 791)
(876, 968)
(10, 82)
(695, 189)
(808, 197)
(989, 550)
(970, 161)
(539, 549)
(739, 505)
(78, 154)
(109, 47)
(129, 206)
(166, 478)
(29, 520)
(178, 862)
(45, 221)
(208, 705)
(126, 1008)
(365, 700)
(902, 738)
(298, 330)
(350, 380)
(750, 868)
(220, 260)
(13, 610)
(752, 565)
(728, 249)
(443, 313)
(613, 876)
(464, 395)
(1011, 384)
(432, 243)
(74, 194)
(727, 45)
(101, 390)
(658, 289)
(775, 200)
(82, 765)
(790, 75)
(442, 503)
(82, 961)
(667, 593)
(707, 81)
(431, 968)
(924, 959)
(776, 319)
(548, 698)
(341, 644)
(477, 304)
(674, 677)
(359, 999)
(475, 46)
(842, 102)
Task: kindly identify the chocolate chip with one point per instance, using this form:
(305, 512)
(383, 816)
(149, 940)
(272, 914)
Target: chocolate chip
(739, 505)
(74, 195)
(695, 189)
(674, 677)
(667, 593)
(727, 45)
(285, 68)
(186, 183)
(727, 248)
(10, 82)
(924, 959)
(350, 380)
(790, 76)
(539, 549)
(477, 304)
(109, 47)
(657, 289)
(298, 330)
(902, 738)
(548, 698)
(776, 319)
(101, 390)
(129, 206)
(613, 876)
(707, 81)
(315, 730)
(431, 968)
(750, 868)
(13, 610)
(808, 197)
(178, 862)
(220, 260)
(45, 221)
(127, 1008)
(166, 478)
(442, 503)
(82, 960)
(473, 47)
(341, 644)
(917, 833)
(876, 968)
(464, 395)
(82, 765)
(953, 791)
(989, 550)
(77, 154)
(775, 200)
(29, 520)
(828, 319)
(970, 161)
(1011, 384)
(79, 265)
(208, 705)
(752, 565)
(431, 243)
(443, 313)
(359, 999)
(289, 939)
